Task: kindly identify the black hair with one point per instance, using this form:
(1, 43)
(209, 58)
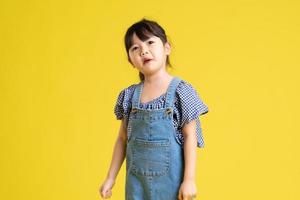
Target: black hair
(144, 29)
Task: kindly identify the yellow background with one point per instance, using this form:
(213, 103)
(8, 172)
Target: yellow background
(63, 63)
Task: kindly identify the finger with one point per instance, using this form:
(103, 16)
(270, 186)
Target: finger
(101, 189)
(104, 193)
(109, 193)
(179, 195)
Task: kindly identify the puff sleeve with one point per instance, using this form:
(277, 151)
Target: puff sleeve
(191, 105)
(123, 103)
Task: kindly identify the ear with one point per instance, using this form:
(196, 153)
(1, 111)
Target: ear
(167, 48)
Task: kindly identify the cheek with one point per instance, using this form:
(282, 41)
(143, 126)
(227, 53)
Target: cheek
(131, 57)
(159, 53)
(158, 50)
(134, 59)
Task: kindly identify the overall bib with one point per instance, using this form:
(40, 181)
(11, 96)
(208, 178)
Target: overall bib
(154, 159)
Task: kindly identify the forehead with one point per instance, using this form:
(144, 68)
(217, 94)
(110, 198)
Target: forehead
(135, 39)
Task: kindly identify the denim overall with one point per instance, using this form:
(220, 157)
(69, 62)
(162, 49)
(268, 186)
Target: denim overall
(154, 159)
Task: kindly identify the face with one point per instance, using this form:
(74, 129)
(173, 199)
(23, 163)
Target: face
(148, 56)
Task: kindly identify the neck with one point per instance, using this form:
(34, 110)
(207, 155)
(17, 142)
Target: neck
(157, 78)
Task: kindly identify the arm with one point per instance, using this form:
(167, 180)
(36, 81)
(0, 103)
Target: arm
(188, 188)
(116, 162)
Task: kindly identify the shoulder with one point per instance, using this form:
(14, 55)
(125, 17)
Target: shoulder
(184, 83)
(185, 89)
(123, 103)
(188, 99)
(126, 93)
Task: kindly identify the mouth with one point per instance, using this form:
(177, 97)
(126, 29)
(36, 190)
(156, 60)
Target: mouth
(147, 61)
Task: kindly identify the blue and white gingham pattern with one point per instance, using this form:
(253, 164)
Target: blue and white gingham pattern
(187, 107)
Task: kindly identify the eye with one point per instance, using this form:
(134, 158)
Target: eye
(151, 42)
(133, 48)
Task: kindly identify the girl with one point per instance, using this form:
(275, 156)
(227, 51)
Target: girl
(160, 129)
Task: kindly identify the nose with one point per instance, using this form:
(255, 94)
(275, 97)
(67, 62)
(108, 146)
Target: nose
(144, 51)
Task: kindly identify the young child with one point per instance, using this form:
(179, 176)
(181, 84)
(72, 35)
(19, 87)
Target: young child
(160, 129)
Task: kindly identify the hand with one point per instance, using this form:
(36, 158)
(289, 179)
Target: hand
(187, 191)
(105, 189)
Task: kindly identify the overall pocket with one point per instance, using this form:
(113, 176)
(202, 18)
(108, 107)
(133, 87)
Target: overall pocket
(150, 158)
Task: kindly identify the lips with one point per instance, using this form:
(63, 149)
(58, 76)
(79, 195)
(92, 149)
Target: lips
(146, 60)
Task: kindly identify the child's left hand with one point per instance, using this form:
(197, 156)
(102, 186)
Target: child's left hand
(188, 190)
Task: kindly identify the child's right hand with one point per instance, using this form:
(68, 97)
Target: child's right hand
(105, 189)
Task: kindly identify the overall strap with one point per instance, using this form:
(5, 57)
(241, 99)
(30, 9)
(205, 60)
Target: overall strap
(170, 96)
(136, 96)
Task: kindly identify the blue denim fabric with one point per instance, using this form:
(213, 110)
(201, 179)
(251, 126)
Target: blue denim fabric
(154, 158)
